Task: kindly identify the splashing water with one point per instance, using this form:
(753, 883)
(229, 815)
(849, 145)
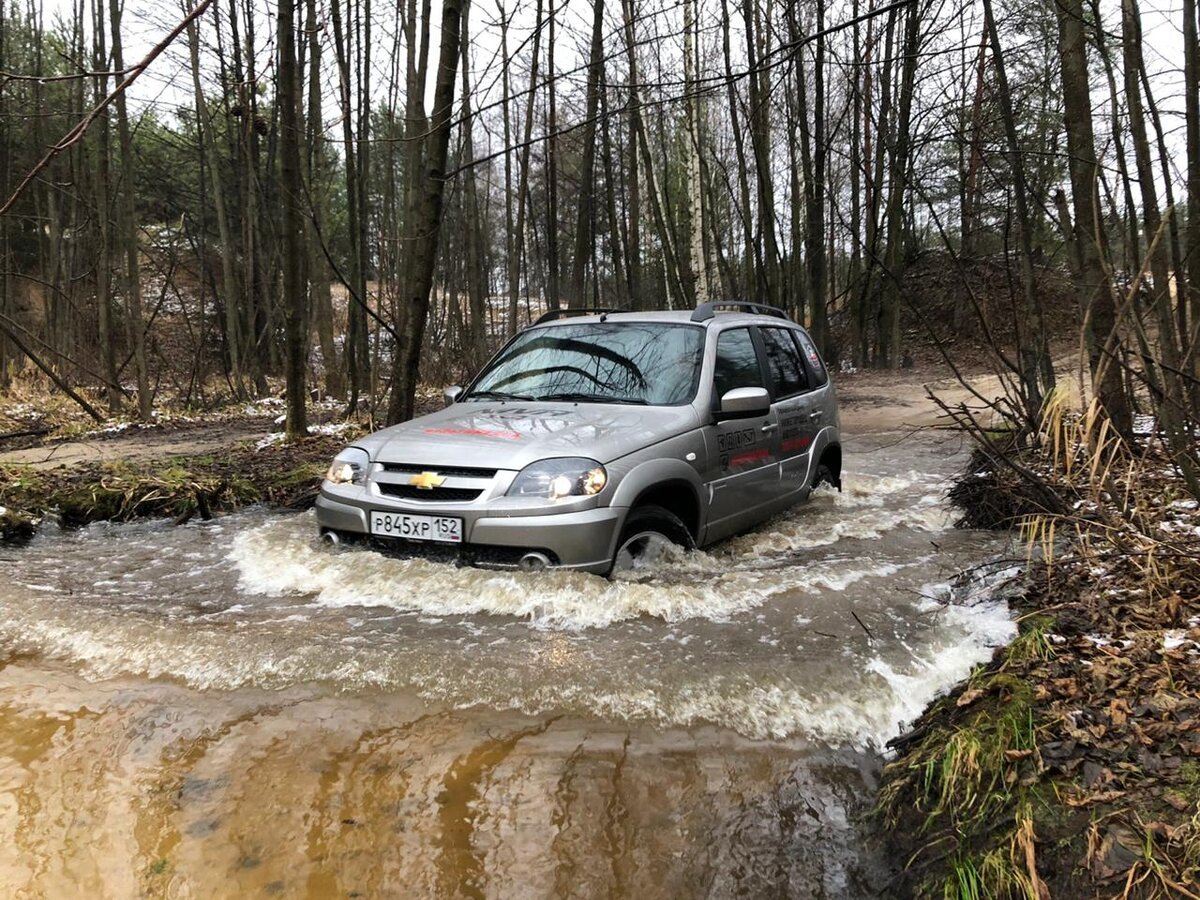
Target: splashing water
(817, 624)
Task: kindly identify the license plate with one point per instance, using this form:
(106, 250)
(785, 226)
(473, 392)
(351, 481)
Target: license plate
(445, 529)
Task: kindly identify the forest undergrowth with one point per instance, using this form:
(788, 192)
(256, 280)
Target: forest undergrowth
(1069, 766)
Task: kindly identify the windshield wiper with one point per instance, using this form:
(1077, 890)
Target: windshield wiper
(585, 397)
(496, 395)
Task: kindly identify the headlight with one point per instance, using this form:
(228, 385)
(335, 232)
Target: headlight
(348, 467)
(558, 478)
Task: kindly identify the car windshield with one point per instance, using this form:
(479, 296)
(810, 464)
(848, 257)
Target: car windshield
(598, 362)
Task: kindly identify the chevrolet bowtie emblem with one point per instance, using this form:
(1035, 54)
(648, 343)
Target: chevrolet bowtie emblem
(427, 481)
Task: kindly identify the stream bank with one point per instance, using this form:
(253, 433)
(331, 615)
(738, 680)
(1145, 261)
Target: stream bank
(279, 474)
(1068, 766)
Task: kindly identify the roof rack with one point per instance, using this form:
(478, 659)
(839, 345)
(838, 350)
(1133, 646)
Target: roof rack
(563, 313)
(706, 311)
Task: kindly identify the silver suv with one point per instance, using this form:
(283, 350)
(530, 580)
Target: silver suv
(592, 440)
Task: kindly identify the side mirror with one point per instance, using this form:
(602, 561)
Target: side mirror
(744, 403)
(451, 393)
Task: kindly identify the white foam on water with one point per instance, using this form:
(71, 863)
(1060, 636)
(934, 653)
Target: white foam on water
(808, 528)
(866, 706)
(864, 700)
(281, 558)
(968, 636)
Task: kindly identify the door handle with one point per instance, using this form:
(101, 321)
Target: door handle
(816, 415)
(768, 428)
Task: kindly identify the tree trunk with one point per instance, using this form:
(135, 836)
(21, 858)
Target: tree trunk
(357, 360)
(127, 231)
(814, 199)
(553, 263)
(695, 113)
(760, 142)
(856, 162)
(1037, 371)
(585, 223)
(476, 249)
(230, 292)
(889, 321)
(295, 293)
(510, 227)
(751, 252)
(1191, 91)
(514, 262)
(320, 299)
(101, 160)
(422, 229)
(1093, 286)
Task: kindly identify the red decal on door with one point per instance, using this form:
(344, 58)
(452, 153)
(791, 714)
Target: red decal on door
(797, 443)
(740, 459)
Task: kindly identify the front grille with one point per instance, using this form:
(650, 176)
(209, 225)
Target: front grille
(429, 495)
(460, 472)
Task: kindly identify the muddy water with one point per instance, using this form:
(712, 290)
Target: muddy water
(231, 709)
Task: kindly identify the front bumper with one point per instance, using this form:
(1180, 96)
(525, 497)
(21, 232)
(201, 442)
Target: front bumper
(578, 539)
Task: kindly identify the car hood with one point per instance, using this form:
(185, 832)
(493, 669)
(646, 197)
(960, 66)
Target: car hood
(514, 434)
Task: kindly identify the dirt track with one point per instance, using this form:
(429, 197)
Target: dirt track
(140, 444)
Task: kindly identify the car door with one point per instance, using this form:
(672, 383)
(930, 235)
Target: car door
(743, 454)
(797, 408)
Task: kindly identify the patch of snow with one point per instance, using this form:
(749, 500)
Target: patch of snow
(1173, 639)
(277, 437)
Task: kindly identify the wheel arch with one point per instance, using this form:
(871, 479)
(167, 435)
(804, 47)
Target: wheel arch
(671, 484)
(831, 458)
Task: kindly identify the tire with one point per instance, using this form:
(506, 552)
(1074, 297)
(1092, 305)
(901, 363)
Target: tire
(646, 530)
(823, 475)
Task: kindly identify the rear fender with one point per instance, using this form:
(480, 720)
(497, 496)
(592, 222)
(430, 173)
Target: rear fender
(827, 437)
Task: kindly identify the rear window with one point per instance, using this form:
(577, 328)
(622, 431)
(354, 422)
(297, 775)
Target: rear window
(815, 363)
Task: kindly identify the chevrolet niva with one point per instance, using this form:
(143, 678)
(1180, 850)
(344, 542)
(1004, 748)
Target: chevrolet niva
(591, 441)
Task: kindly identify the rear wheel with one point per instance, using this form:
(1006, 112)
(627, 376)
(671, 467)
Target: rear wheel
(823, 475)
(647, 536)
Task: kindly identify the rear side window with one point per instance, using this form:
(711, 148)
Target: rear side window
(783, 362)
(737, 363)
(815, 365)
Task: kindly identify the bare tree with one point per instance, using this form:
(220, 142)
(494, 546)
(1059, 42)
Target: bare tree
(422, 229)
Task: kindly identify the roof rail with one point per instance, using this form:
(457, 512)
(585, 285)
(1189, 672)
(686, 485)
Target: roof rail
(706, 311)
(563, 313)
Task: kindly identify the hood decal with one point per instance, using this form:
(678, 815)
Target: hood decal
(476, 432)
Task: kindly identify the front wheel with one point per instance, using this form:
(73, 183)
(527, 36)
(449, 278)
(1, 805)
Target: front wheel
(647, 537)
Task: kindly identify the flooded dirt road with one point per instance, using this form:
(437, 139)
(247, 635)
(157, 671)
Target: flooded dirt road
(230, 709)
